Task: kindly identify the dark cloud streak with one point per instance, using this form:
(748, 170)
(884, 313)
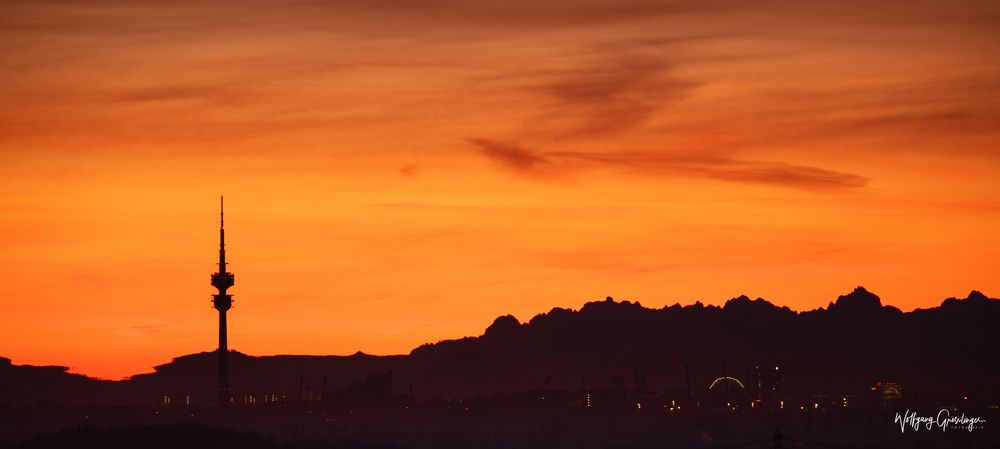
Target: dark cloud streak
(511, 155)
(663, 164)
(613, 96)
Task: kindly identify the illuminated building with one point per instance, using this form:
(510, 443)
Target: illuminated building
(887, 391)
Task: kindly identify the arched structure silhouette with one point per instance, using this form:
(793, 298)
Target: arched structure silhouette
(728, 380)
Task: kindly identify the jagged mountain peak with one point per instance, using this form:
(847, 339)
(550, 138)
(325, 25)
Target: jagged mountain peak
(858, 301)
(502, 326)
(975, 301)
(744, 300)
(976, 295)
(610, 303)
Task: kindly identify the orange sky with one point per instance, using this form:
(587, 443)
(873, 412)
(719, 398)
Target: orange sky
(398, 172)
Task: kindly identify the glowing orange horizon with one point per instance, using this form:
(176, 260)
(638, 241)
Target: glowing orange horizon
(391, 181)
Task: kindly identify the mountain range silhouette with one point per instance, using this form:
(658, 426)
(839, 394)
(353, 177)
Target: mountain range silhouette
(847, 346)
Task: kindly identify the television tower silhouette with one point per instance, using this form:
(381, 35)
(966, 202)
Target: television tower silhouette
(222, 302)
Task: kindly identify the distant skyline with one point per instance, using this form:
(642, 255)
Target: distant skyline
(398, 174)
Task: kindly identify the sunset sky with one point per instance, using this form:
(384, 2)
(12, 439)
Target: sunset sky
(401, 171)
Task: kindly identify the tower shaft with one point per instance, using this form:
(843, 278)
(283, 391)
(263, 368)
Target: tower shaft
(223, 381)
(223, 338)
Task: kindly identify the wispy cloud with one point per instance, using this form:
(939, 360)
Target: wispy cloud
(663, 164)
(212, 93)
(613, 96)
(143, 330)
(410, 171)
(512, 155)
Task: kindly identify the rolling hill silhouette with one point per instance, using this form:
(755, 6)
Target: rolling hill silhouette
(847, 346)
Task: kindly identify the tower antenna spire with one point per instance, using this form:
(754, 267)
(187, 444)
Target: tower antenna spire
(222, 235)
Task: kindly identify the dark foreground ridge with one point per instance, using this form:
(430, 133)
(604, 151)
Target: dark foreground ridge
(855, 341)
(184, 435)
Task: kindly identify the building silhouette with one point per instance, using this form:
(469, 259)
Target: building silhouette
(223, 280)
(768, 388)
